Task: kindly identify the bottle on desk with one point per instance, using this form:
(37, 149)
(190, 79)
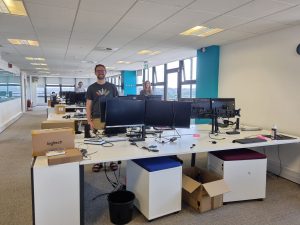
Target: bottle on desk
(274, 132)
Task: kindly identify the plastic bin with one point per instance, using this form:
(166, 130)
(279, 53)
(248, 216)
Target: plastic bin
(120, 206)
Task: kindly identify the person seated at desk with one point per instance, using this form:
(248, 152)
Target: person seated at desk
(104, 89)
(146, 89)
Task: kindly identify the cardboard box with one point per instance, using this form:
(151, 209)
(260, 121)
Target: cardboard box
(71, 155)
(60, 109)
(50, 124)
(52, 139)
(202, 189)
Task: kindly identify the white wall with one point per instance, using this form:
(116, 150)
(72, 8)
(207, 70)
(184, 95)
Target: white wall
(10, 111)
(263, 74)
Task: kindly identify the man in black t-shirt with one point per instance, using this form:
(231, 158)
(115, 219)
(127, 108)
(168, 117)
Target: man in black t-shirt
(95, 91)
(101, 88)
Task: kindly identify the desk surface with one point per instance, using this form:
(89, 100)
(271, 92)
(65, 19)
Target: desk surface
(197, 135)
(54, 116)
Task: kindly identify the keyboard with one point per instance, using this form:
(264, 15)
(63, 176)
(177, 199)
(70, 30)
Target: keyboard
(115, 139)
(248, 140)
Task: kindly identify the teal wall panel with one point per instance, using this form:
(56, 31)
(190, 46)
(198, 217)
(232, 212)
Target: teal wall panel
(129, 79)
(207, 80)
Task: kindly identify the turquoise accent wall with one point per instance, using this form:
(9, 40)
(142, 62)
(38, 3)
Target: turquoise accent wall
(129, 79)
(207, 80)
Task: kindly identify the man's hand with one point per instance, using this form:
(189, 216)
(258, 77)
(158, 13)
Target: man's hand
(91, 124)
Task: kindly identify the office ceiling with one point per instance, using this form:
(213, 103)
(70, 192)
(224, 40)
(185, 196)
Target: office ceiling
(75, 34)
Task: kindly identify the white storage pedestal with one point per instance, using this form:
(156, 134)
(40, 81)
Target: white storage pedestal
(246, 179)
(157, 193)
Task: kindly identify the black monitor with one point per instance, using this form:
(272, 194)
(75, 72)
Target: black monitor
(182, 114)
(223, 107)
(159, 113)
(130, 97)
(154, 97)
(124, 113)
(200, 107)
(80, 97)
(69, 97)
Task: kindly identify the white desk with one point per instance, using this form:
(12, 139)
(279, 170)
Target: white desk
(122, 151)
(54, 116)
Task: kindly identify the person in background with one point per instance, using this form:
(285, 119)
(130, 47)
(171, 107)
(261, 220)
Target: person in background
(80, 87)
(101, 88)
(146, 89)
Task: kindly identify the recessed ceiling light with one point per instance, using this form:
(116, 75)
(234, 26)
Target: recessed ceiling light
(37, 59)
(201, 31)
(89, 61)
(40, 68)
(110, 67)
(14, 7)
(23, 42)
(123, 62)
(148, 52)
(43, 72)
(39, 64)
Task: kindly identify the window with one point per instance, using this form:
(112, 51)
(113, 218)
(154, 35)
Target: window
(10, 87)
(173, 65)
(159, 74)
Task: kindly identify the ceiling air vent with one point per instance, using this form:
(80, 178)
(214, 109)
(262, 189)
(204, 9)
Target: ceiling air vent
(105, 49)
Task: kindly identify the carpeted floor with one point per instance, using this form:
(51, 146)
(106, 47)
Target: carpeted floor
(281, 207)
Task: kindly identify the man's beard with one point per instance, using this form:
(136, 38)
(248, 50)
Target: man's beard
(101, 77)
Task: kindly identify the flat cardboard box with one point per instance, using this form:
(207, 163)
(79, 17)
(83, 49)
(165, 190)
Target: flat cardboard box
(50, 124)
(71, 155)
(52, 139)
(60, 109)
(203, 189)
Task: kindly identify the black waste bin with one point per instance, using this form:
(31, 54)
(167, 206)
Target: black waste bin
(120, 206)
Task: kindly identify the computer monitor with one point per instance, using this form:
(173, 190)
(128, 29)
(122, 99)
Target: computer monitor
(200, 107)
(159, 113)
(124, 113)
(223, 107)
(182, 114)
(154, 97)
(69, 97)
(130, 97)
(80, 98)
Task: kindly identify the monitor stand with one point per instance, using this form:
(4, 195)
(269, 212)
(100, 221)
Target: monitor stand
(139, 138)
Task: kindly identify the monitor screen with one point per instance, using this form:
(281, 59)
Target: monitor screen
(131, 97)
(159, 113)
(201, 107)
(69, 97)
(223, 107)
(182, 114)
(80, 98)
(124, 113)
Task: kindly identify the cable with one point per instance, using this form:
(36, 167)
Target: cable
(215, 138)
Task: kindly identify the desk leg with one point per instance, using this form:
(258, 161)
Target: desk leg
(81, 183)
(193, 159)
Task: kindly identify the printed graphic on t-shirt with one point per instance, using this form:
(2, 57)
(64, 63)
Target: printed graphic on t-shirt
(102, 92)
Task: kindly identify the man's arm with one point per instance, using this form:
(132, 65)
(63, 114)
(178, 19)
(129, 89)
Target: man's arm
(89, 113)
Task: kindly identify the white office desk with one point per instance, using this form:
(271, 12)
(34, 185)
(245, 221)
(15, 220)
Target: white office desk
(203, 143)
(197, 135)
(55, 116)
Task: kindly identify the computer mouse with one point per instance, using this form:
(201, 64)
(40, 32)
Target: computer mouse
(214, 142)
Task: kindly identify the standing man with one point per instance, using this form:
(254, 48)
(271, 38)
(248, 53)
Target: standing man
(95, 90)
(80, 87)
(101, 88)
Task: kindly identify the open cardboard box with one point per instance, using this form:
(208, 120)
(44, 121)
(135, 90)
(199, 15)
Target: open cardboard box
(60, 109)
(203, 189)
(49, 124)
(52, 139)
(71, 155)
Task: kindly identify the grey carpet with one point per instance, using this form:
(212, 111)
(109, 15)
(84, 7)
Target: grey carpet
(281, 207)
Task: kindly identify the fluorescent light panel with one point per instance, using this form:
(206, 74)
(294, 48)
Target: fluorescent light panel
(123, 62)
(37, 59)
(148, 52)
(14, 7)
(201, 31)
(39, 64)
(23, 42)
(40, 68)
